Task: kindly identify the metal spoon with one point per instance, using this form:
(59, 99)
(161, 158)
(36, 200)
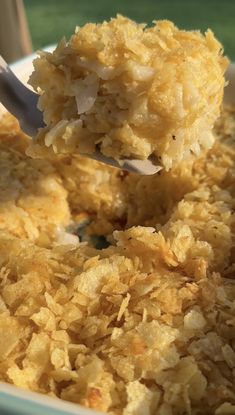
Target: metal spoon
(22, 103)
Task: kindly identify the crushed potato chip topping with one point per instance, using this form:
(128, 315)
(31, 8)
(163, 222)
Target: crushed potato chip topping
(143, 327)
(130, 91)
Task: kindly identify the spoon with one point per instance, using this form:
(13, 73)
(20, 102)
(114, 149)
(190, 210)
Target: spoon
(21, 102)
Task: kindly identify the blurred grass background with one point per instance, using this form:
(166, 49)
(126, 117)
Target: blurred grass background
(49, 20)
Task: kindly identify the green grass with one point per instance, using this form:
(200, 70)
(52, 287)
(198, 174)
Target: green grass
(49, 20)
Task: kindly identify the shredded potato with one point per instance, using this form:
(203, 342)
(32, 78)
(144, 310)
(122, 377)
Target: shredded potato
(131, 91)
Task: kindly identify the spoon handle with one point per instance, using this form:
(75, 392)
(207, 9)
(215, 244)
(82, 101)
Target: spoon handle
(19, 100)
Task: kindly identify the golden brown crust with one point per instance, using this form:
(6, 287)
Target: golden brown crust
(144, 326)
